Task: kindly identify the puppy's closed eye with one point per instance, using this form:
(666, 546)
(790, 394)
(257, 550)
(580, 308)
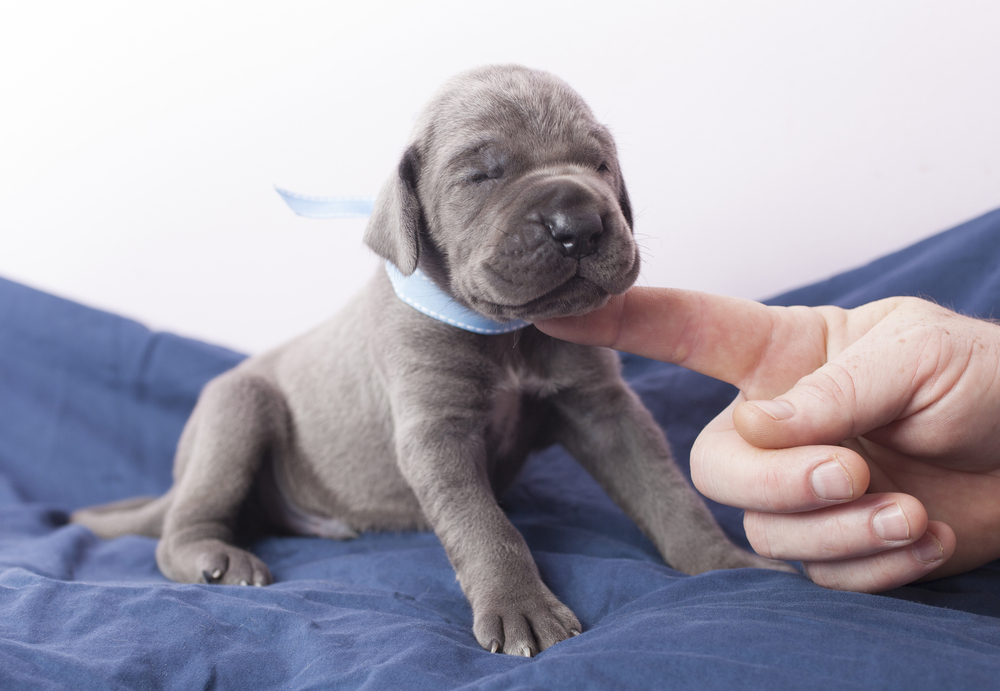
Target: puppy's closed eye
(481, 176)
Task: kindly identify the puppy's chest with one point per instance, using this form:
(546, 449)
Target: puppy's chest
(518, 408)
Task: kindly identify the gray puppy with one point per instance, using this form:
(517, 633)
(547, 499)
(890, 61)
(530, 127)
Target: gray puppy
(509, 198)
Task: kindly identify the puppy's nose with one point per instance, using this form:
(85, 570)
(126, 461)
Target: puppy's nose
(576, 233)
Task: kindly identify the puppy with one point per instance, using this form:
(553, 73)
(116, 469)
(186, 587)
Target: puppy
(510, 205)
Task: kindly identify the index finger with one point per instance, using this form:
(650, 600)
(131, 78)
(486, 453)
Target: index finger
(722, 337)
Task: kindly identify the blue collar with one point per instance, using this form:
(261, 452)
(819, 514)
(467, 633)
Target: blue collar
(422, 294)
(416, 290)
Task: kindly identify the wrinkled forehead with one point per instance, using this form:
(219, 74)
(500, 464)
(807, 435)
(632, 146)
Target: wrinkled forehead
(526, 111)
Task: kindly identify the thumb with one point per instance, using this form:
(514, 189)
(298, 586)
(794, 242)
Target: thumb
(863, 388)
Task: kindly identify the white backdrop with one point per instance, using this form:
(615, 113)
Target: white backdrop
(765, 144)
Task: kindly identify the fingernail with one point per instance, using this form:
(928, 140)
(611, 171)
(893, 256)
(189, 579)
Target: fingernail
(890, 523)
(779, 410)
(928, 549)
(831, 481)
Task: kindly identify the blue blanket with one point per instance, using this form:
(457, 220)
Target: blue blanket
(91, 406)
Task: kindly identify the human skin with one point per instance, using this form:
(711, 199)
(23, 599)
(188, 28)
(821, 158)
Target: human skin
(864, 443)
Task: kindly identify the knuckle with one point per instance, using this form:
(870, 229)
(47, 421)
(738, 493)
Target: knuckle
(879, 576)
(772, 485)
(913, 303)
(833, 390)
(872, 575)
(832, 383)
(755, 526)
(701, 474)
(825, 575)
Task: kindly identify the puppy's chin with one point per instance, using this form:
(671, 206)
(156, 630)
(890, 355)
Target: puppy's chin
(574, 297)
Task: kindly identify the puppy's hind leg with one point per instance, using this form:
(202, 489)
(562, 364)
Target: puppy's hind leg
(239, 419)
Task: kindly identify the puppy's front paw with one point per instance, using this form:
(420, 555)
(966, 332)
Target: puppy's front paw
(726, 555)
(524, 623)
(755, 561)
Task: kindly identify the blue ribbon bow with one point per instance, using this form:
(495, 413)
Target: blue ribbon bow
(416, 290)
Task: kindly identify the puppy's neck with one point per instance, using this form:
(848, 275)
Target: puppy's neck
(423, 295)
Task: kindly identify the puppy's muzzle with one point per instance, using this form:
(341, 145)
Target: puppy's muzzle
(572, 215)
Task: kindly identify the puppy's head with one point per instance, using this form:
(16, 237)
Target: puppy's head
(510, 198)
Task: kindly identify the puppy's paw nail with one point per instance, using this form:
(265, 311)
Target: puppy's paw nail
(574, 632)
(258, 584)
(217, 574)
(494, 646)
(243, 582)
(526, 651)
(208, 578)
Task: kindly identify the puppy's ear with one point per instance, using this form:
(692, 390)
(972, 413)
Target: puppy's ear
(393, 230)
(624, 203)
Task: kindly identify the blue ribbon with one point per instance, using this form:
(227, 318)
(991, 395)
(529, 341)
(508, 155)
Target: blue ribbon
(422, 294)
(328, 207)
(416, 290)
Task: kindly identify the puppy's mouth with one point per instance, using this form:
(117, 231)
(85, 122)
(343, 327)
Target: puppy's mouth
(574, 296)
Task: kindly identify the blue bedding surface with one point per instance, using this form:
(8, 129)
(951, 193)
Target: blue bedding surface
(91, 406)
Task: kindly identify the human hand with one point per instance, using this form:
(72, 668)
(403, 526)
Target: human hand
(864, 443)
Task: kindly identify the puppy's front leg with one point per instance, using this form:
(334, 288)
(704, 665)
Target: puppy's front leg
(609, 431)
(443, 457)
